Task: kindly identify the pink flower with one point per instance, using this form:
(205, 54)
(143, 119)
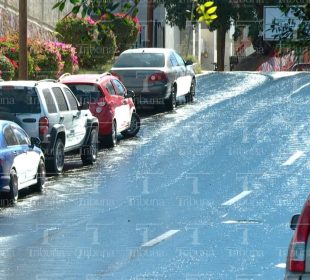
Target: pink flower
(90, 21)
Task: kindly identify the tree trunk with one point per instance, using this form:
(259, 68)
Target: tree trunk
(150, 22)
(23, 63)
(220, 43)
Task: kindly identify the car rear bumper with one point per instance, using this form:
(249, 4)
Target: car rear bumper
(296, 276)
(152, 95)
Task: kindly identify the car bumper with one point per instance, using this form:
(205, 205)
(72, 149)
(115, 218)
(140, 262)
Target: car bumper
(152, 95)
(297, 276)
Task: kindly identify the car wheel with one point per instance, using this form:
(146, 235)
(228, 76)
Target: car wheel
(134, 126)
(56, 163)
(190, 96)
(90, 152)
(171, 103)
(41, 177)
(13, 195)
(111, 139)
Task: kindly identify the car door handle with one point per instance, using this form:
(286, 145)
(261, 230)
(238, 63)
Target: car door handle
(61, 119)
(74, 116)
(14, 153)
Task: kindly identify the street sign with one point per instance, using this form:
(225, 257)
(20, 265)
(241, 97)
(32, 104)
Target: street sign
(278, 26)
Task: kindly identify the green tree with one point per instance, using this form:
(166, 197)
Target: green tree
(97, 7)
(228, 12)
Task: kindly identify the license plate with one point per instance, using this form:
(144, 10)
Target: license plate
(142, 74)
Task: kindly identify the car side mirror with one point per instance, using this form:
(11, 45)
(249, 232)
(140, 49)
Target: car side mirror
(189, 62)
(34, 141)
(294, 221)
(130, 94)
(84, 106)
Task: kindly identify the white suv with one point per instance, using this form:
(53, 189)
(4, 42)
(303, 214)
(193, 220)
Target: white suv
(49, 110)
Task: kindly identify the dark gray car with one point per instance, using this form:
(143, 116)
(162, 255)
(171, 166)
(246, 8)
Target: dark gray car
(157, 76)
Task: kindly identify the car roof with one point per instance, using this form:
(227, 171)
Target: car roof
(18, 83)
(85, 78)
(26, 83)
(149, 50)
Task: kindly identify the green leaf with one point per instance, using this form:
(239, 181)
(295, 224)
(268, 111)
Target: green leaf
(126, 6)
(84, 12)
(76, 9)
(135, 12)
(62, 6)
(211, 10)
(213, 17)
(208, 4)
(57, 5)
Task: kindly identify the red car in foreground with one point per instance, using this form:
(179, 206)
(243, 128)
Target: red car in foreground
(109, 101)
(298, 260)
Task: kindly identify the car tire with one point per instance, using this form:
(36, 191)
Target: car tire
(89, 153)
(13, 194)
(110, 140)
(57, 161)
(171, 102)
(134, 128)
(41, 177)
(189, 98)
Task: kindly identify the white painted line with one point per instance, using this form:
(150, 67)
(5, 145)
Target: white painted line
(160, 238)
(293, 158)
(301, 88)
(281, 265)
(236, 198)
(230, 222)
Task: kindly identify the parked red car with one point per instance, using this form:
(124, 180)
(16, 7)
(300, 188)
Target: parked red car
(109, 101)
(298, 260)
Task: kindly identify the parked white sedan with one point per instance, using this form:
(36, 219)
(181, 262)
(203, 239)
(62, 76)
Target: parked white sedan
(157, 76)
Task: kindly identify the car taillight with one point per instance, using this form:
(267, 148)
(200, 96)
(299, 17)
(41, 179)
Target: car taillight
(43, 126)
(100, 104)
(297, 253)
(160, 76)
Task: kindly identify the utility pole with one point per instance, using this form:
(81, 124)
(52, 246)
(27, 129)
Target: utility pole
(23, 63)
(150, 23)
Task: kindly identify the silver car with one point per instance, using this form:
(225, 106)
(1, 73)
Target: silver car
(157, 76)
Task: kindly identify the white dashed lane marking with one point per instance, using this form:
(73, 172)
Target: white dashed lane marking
(293, 158)
(160, 238)
(236, 198)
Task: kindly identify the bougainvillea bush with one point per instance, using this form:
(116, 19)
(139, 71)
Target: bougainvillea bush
(6, 68)
(89, 40)
(125, 28)
(45, 59)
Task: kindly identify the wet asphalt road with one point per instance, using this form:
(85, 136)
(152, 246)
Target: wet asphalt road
(205, 192)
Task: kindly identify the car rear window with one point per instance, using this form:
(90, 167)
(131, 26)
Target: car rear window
(85, 94)
(19, 100)
(141, 60)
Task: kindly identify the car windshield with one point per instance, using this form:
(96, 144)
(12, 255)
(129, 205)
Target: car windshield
(141, 60)
(85, 94)
(19, 100)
